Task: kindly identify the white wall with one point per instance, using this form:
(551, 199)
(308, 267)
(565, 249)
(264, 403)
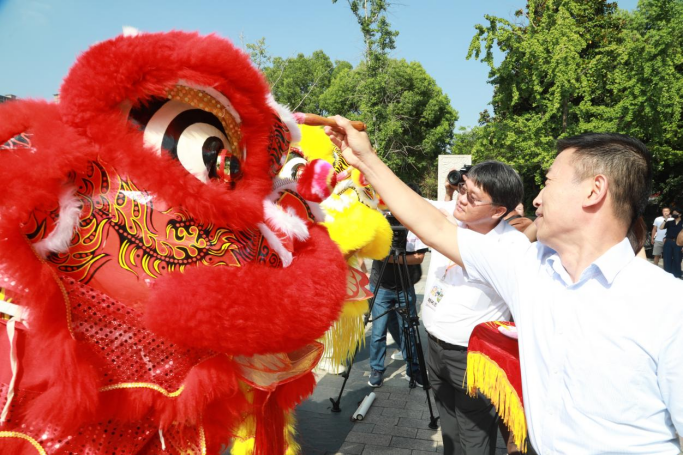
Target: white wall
(445, 164)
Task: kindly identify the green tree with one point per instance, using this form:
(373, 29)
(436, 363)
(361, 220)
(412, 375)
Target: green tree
(259, 53)
(378, 36)
(409, 118)
(574, 66)
(299, 82)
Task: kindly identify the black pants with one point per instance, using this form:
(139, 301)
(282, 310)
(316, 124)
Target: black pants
(469, 424)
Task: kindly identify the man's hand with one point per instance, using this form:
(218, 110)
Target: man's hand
(416, 214)
(450, 189)
(354, 144)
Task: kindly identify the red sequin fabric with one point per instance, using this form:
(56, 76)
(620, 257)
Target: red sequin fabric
(130, 353)
(132, 357)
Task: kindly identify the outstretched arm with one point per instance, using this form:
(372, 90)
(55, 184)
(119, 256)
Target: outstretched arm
(413, 211)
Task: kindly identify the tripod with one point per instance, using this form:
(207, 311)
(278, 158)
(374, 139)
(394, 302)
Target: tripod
(408, 317)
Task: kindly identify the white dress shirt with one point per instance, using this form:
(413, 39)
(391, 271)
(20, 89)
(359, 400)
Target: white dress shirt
(601, 360)
(452, 305)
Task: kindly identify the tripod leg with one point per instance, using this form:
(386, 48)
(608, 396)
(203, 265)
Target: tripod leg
(412, 318)
(336, 402)
(406, 309)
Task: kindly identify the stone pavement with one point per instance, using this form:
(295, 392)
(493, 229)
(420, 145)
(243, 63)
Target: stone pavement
(397, 422)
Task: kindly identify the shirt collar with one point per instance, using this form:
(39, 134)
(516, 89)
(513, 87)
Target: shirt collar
(609, 264)
(497, 231)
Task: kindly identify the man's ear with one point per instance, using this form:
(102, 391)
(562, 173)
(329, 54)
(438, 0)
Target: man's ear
(500, 212)
(596, 190)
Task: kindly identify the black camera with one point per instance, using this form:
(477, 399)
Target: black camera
(455, 177)
(399, 232)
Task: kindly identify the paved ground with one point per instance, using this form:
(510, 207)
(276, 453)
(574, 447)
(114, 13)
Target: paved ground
(397, 422)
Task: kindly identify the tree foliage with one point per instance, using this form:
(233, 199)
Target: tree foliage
(575, 66)
(299, 82)
(409, 118)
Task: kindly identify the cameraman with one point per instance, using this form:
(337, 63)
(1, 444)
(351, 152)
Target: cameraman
(453, 306)
(386, 299)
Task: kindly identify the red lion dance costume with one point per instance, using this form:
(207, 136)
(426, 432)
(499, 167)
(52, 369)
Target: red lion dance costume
(170, 287)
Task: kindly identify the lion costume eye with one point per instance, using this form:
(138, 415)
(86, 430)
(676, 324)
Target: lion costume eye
(194, 128)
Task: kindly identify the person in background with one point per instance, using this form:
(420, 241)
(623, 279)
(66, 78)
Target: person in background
(672, 253)
(658, 235)
(390, 296)
(453, 306)
(516, 218)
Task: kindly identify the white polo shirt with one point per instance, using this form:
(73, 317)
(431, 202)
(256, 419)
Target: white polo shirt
(601, 359)
(452, 305)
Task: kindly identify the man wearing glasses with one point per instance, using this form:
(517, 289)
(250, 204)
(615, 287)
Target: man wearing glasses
(453, 306)
(601, 371)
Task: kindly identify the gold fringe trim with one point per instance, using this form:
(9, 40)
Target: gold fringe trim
(346, 335)
(151, 386)
(30, 439)
(290, 432)
(244, 436)
(484, 374)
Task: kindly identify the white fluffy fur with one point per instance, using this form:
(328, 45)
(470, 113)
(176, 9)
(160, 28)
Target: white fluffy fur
(287, 117)
(59, 239)
(130, 31)
(287, 222)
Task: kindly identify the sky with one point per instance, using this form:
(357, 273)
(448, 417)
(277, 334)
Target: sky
(40, 39)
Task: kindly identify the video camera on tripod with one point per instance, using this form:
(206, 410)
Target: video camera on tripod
(403, 277)
(399, 233)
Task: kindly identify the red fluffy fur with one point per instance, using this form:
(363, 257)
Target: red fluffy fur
(251, 310)
(145, 67)
(248, 310)
(59, 366)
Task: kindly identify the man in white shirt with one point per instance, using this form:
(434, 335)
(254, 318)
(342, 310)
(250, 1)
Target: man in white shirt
(601, 360)
(453, 306)
(658, 235)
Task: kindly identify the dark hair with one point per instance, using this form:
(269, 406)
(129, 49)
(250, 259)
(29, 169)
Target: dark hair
(500, 181)
(664, 207)
(626, 162)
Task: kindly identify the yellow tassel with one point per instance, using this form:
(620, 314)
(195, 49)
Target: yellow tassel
(346, 335)
(244, 436)
(290, 431)
(484, 374)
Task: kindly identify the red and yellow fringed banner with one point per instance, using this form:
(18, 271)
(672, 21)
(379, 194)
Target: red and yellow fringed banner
(494, 369)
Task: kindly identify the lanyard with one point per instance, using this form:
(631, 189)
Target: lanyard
(446, 270)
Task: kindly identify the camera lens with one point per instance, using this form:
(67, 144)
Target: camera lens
(454, 177)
